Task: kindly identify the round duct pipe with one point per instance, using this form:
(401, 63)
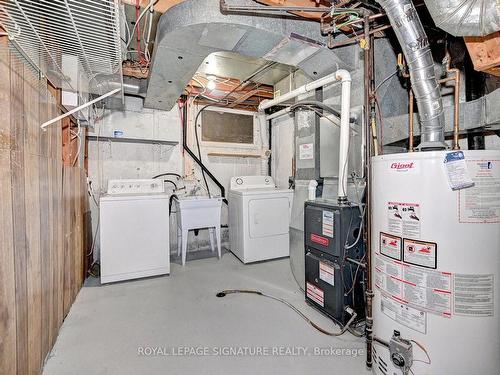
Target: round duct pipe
(411, 35)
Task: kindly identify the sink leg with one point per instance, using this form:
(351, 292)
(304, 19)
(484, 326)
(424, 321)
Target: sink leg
(217, 232)
(211, 236)
(179, 241)
(184, 245)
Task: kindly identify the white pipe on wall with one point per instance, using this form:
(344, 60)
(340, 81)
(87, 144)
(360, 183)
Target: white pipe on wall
(345, 78)
(79, 108)
(264, 138)
(278, 114)
(331, 78)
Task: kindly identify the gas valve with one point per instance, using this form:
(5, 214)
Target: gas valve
(401, 352)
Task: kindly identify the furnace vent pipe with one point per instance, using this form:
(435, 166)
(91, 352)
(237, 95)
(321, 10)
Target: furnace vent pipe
(411, 35)
(345, 108)
(344, 77)
(308, 87)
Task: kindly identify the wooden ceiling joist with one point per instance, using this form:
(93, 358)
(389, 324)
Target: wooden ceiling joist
(243, 97)
(297, 3)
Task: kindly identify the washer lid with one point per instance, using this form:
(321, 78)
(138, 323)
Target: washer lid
(133, 197)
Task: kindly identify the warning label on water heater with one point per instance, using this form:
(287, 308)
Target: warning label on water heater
(481, 203)
(404, 314)
(390, 246)
(423, 289)
(403, 219)
(420, 253)
(473, 294)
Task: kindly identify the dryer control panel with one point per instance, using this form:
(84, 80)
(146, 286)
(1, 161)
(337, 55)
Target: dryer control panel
(119, 187)
(252, 182)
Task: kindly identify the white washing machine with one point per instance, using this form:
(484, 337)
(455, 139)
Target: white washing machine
(134, 230)
(259, 216)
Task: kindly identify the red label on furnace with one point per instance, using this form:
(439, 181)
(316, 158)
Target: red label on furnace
(320, 240)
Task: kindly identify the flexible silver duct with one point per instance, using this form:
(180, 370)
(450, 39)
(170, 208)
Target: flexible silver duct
(411, 35)
(466, 17)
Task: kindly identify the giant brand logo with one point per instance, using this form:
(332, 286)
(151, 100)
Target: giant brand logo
(402, 167)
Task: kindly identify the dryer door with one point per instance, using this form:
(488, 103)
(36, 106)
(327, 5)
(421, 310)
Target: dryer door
(268, 216)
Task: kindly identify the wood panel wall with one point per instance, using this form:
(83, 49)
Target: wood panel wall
(42, 229)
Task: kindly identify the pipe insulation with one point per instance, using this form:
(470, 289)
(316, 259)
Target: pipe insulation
(411, 35)
(466, 17)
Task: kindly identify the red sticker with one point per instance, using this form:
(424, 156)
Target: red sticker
(319, 239)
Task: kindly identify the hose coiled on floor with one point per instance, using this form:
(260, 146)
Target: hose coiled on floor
(344, 329)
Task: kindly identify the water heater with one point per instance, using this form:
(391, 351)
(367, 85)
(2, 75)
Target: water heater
(436, 263)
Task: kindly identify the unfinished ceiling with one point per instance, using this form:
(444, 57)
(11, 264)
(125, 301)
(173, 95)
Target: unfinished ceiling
(229, 64)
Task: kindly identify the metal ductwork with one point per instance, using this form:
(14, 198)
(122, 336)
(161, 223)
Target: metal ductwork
(193, 29)
(466, 17)
(411, 35)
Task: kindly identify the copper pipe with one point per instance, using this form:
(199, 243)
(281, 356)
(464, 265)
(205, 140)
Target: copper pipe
(411, 130)
(456, 129)
(447, 79)
(368, 74)
(456, 113)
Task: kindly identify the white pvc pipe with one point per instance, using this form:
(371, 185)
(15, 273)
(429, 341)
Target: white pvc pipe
(298, 91)
(311, 189)
(345, 77)
(278, 114)
(79, 108)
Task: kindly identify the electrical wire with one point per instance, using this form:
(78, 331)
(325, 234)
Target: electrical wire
(168, 174)
(428, 362)
(343, 330)
(381, 127)
(198, 146)
(172, 182)
(96, 202)
(385, 80)
(138, 26)
(138, 20)
(148, 38)
(315, 103)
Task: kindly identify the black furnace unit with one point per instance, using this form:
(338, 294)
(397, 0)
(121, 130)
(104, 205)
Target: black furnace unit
(333, 279)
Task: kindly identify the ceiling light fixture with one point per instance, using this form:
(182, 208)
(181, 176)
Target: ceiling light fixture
(211, 84)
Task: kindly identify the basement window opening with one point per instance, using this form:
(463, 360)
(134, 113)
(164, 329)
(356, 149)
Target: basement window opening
(225, 127)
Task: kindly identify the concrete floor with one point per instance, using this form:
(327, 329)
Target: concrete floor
(113, 329)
